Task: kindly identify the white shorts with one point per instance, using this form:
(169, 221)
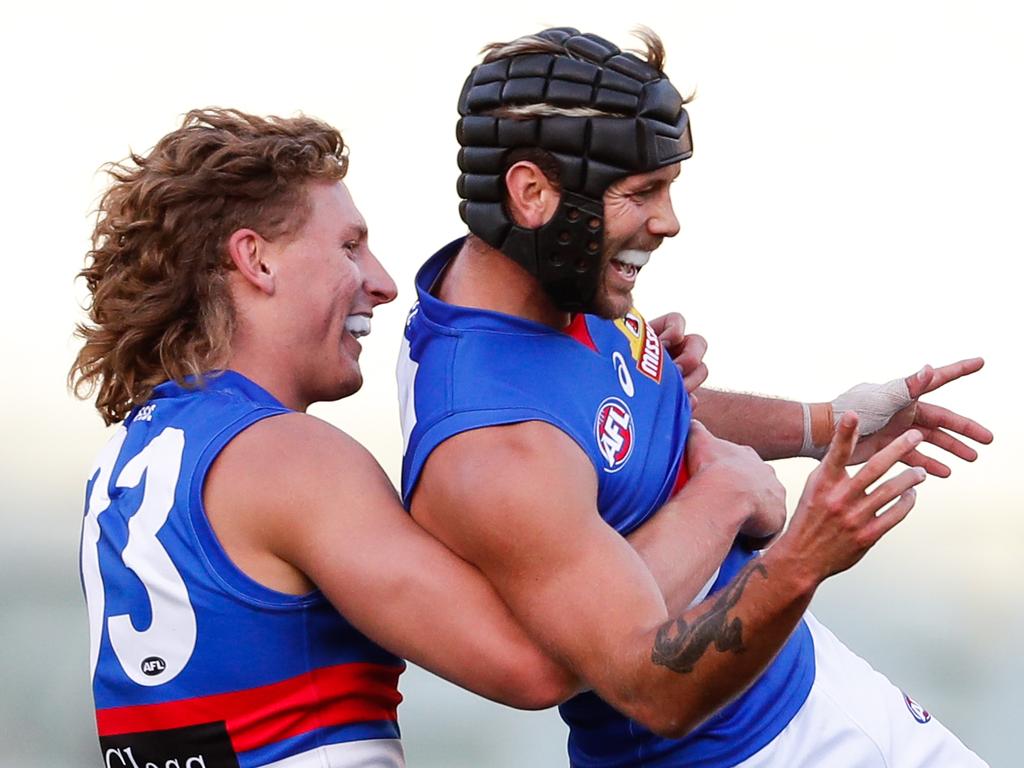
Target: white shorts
(855, 718)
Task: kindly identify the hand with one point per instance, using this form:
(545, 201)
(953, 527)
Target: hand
(686, 351)
(836, 521)
(930, 420)
(739, 469)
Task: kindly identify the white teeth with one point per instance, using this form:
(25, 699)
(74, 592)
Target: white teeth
(627, 270)
(633, 258)
(358, 325)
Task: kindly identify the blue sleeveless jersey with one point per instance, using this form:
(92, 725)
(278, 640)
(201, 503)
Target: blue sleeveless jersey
(193, 663)
(609, 387)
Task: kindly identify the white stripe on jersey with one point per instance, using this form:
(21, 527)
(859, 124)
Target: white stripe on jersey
(370, 753)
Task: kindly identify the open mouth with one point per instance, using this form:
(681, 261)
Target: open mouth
(358, 325)
(629, 262)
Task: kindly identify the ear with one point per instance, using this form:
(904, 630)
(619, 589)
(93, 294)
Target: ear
(247, 250)
(532, 198)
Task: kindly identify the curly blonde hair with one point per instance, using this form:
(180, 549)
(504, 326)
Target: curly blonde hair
(159, 305)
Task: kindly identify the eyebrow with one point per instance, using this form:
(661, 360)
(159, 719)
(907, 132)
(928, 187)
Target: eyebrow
(356, 231)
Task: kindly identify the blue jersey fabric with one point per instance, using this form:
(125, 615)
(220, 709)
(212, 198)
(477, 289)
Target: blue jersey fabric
(192, 658)
(608, 386)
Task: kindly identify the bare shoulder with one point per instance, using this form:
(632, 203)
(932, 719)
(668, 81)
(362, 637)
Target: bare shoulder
(294, 438)
(498, 459)
(487, 490)
(292, 460)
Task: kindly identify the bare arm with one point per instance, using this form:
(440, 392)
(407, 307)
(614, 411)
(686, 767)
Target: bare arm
(731, 491)
(773, 427)
(296, 502)
(519, 502)
(781, 428)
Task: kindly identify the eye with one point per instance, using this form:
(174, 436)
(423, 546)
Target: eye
(350, 247)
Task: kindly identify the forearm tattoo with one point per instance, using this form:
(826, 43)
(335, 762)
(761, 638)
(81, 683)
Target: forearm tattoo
(679, 646)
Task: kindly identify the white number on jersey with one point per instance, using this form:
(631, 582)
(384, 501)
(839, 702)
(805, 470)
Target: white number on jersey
(155, 655)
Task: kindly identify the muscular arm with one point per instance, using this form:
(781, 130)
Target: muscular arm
(519, 502)
(685, 542)
(730, 492)
(773, 427)
(296, 502)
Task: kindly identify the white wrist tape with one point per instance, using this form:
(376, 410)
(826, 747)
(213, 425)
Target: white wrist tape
(874, 404)
(807, 447)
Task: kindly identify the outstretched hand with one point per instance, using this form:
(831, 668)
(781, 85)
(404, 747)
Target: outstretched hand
(934, 422)
(838, 519)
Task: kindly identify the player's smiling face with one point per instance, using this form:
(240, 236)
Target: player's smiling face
(638, 215)
(331, 282)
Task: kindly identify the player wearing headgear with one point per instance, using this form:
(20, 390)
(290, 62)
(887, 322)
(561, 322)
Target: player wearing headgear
(543, 423)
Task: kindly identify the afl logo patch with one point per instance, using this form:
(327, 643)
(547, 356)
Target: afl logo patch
(613, 429)
(153, 666)
(920, 713)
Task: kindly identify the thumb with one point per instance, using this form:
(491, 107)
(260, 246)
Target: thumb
(697, 445)
(918, 383)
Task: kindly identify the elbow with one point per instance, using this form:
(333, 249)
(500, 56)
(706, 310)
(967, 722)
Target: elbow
(668, 725)
(664, 717)
(541, 691)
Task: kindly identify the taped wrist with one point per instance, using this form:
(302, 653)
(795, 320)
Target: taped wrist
(819, 423)
(874, 404)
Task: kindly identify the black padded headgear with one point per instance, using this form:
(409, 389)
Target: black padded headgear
(646, 129)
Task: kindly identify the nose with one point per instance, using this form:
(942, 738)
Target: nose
(378, 282)
(663, 222)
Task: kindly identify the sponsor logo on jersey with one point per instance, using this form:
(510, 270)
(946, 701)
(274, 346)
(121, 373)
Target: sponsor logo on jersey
(622, 372)
(196, 746)
(651, 357)
(613, 429)
(920, 713)
(643, 344)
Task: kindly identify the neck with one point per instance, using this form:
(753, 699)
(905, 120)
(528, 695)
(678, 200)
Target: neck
(257, 366)
(482, 277)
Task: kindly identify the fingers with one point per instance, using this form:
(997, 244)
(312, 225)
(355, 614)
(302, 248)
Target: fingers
(892, 517)
(954, 371)
(882, 461)
(696, 378)
(933, 467)
(929, 379)
(843, 442)
(893, 488)
(949, 443)
(671, 329)
(692, 353)
(937, 417)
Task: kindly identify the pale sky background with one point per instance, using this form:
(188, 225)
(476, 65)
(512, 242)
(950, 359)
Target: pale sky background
(852, 211)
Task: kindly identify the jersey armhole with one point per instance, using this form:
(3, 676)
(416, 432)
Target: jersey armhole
(221, 567)
(466, 421)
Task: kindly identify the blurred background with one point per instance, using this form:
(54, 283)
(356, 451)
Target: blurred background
(853, 210)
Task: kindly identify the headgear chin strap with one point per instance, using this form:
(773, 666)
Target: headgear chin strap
(643, 127)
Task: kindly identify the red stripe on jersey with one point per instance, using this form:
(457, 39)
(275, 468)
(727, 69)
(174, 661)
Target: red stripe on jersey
(339, 695)
(579, 331)
(682, 477)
